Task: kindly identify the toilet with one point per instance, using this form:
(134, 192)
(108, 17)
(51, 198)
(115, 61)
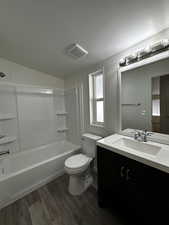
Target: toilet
(78, 166)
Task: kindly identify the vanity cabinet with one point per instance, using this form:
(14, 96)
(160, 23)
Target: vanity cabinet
(132, 188)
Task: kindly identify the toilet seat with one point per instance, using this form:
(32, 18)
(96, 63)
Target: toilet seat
(77, 163)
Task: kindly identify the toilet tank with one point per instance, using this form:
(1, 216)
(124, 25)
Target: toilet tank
(89, 144)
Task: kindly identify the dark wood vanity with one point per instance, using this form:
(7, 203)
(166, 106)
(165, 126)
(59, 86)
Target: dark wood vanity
(132, 188)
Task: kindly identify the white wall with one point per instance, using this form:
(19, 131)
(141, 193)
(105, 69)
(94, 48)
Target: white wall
(112, 87)
(22, 75)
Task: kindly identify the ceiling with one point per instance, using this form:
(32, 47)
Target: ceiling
(35, 33)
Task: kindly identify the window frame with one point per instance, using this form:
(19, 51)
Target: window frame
(93, 99)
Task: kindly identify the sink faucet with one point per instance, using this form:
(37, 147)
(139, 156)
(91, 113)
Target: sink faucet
(142, 135)
(145, 134)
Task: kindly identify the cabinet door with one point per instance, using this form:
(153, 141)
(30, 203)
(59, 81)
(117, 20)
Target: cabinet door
(146, 190)
(111, 178)
(135, 175)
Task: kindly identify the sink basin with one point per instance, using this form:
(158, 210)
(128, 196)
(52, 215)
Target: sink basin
(137, 146)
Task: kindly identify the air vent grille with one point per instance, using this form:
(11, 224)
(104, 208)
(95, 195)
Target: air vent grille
(76, 51)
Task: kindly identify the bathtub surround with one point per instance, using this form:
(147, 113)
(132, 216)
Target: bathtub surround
(33, 121)
(37, 115)
(29, 100)
(8, 119)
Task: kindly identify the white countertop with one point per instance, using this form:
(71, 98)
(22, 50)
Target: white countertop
(159, 161)
(155, 137)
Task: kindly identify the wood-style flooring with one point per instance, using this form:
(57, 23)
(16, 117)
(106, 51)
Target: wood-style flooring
(53, 205)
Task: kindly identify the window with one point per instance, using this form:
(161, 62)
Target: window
(96, 98)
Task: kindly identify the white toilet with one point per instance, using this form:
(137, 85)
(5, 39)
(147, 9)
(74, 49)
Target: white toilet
(78, 166)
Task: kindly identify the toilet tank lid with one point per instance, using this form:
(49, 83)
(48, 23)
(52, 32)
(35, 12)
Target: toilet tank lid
(91, 136)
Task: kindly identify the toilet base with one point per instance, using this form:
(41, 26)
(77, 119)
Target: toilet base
(79, 183)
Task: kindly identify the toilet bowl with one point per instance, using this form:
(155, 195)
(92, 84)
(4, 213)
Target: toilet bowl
(78, 166)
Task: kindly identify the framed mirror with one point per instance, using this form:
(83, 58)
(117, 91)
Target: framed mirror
(145, 97)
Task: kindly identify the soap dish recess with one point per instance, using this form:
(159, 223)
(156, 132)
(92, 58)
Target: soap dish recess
(61, 113)
(61, 130)
(7, 116)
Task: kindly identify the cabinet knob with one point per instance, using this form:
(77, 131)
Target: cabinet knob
(122, 171)
(128, 174)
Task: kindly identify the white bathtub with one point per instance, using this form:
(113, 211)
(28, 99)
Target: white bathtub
(24, 172)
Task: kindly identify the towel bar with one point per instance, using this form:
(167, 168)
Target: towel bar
(130, 104)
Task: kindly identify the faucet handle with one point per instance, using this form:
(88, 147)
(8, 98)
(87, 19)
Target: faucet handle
(137, 134)
(146, 132)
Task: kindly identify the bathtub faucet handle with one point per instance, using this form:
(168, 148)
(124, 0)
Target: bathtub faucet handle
(4, 152)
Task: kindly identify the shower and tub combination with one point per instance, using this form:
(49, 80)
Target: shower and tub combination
(33, 137)
(24, 172)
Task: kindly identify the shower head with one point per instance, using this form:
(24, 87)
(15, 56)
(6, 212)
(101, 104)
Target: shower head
(2, 75)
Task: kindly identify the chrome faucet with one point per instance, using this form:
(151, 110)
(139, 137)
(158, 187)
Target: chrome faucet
(145, 134)
(142, 135)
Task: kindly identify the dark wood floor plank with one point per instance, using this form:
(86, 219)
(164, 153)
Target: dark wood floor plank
(2, 216)
(38, 215)
(9, 215)
(58, 191)
(32, 198)
(22, 213)
(53, 211)
(53, 205)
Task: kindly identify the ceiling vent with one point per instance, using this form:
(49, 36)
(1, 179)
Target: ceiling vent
(76, 51)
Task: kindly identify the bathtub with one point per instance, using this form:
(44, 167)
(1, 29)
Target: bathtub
(26, 171)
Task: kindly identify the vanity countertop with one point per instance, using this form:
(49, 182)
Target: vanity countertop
(159, 161)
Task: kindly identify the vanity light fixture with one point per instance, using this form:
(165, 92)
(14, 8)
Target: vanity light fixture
(122, 62)
(151, 50)
(159, 45)
(131, 58)
(144, 52)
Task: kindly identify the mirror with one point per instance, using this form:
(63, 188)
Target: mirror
(145, 97)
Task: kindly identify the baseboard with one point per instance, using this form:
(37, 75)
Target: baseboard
(30, 189)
